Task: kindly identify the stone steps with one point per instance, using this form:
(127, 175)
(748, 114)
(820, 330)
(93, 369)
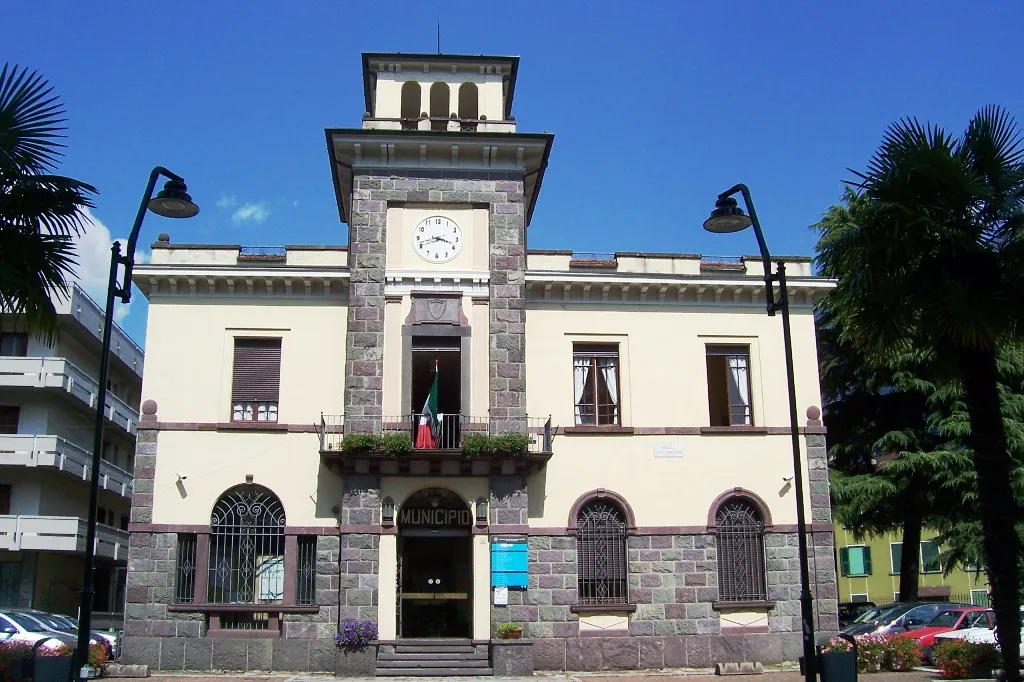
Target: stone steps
(433, 658)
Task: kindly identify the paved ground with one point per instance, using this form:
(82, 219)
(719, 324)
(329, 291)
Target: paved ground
(658, 676)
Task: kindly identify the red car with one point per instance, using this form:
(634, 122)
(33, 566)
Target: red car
(947, 621)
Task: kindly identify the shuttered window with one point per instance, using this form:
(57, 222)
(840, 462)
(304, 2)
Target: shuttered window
(855, 560)
(256, 382)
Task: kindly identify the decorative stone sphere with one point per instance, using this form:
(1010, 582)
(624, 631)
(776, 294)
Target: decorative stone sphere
(163, 237)
(149, 407)
(813, 413)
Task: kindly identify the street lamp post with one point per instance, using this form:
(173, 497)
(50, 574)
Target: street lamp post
(171, 202)
(726, 218)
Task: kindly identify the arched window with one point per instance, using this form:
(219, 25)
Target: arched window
(246, 547)
(601, 553)
(469, 105)
(739, 528)
(411, 95)
(440, 101)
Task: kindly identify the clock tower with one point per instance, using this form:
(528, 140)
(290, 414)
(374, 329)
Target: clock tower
(437, 188)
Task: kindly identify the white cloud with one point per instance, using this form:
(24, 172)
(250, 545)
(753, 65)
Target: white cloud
(226, 202)
(92, 248)
(251, 212)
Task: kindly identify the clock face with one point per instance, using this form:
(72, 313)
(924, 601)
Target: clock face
(437, 239)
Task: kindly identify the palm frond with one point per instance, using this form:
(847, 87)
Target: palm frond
(31, 121)
(34, 269)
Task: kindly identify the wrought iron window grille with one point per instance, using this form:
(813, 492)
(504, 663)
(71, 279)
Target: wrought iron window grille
(603, 569)
(739, 533)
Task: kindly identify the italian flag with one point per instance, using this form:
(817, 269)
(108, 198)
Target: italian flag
(429, 427)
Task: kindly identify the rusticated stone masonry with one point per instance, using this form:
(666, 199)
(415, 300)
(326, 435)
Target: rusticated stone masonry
(507, 349)
(359, 558)
(373, 191)
(823, 562)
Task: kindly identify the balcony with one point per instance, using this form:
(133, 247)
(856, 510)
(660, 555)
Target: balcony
(17, 372)
(60, 534)
(57, 453)
(460, 445)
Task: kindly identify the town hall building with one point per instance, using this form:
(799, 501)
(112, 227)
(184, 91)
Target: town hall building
(440, 431)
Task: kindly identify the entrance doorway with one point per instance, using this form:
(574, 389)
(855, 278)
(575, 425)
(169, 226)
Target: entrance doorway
(439, 356)
(435, 566)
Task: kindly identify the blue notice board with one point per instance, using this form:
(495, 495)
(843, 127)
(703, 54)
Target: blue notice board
(508, 564)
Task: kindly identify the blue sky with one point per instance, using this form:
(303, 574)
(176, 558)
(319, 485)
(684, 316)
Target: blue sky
(656, 106)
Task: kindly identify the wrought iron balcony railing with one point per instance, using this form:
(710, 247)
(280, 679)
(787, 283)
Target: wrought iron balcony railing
(447, 433)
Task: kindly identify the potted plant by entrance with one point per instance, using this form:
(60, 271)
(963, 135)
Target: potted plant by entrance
(357, 649)
(510, 631)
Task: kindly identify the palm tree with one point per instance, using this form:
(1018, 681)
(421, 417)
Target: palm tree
(40, 213)
(935, 260)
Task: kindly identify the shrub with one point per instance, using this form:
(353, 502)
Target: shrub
(9, 652)
(836, 645)
(98, 654)
(871, 652)
(357, 633)
(388, 444)
(503, 444)
(903, 654)
(958, 658)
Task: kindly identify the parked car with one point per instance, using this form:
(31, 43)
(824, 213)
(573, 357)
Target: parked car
(849, 611)
(949, 620)
(113, 639)
(20, 627)
(55, 624)
(895, 618)
(978, 635)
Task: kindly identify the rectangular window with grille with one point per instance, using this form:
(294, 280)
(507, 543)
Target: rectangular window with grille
(979, 597)
(185, 579)
(9, 418)
(596, 390)
(305, 583)
(14, 345)
(855, 560)
(729, 385)
(858, 597)
(930, 560)
(256, 380)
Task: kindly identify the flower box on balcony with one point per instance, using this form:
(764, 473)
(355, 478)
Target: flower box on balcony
(385, 445)
(502, 444)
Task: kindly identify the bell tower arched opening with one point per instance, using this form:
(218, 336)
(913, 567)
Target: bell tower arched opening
(440, 101)
(469, 105)
(411, 96)
(435, 566)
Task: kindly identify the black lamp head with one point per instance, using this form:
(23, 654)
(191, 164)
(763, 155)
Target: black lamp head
(173, 201)
(727, 217)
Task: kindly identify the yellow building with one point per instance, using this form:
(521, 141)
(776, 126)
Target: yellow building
(438, 430)
(869, 570)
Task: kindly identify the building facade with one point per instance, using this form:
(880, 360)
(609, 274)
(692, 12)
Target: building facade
(47, 416)
(439, 430)
(869, 570)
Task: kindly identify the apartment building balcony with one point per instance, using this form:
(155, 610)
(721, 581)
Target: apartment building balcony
(62, 375)
(60, 534)
(53, 452)
(456, 445)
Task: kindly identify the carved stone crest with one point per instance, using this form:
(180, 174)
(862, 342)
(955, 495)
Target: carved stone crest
(431, 308)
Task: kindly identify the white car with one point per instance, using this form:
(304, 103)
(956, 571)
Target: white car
(978, 635)
(17, 627)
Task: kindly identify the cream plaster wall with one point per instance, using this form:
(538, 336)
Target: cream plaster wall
(480, 372)
(735, 619)
(664, 384)
(387, 588)
(395, 314)
(663, 491)
(190, 349)
(287, 463)
(604, 621)
(402, 222)
(389, 92)
(481, 587)
(314, 256)
(663, 351)
(207, 255)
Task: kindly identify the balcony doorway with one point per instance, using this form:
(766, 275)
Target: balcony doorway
(444, 355)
